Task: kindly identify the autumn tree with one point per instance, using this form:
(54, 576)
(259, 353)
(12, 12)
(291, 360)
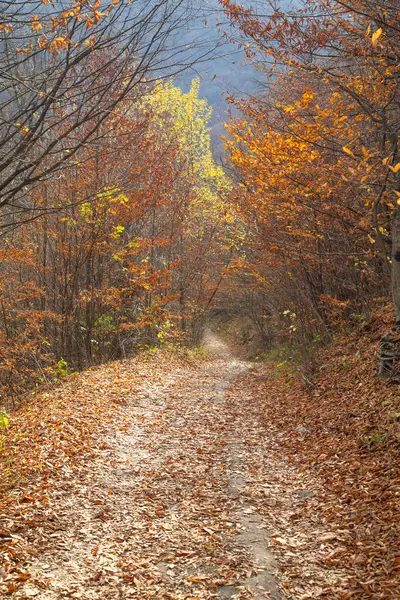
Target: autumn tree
(133, 248)
(65, 68)
(204, 241)
(317, 155)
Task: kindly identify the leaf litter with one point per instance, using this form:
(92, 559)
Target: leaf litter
(183, 480)
(338, 533)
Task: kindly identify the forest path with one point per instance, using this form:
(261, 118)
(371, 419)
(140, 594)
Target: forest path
(183, 492)
(163, 511)
(161, 478)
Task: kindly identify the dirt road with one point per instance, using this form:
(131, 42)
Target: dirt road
(182, 502)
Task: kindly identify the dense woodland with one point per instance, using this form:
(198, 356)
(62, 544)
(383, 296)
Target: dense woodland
(114, 227)
(317, 161)
(118, 227)
(190, 401)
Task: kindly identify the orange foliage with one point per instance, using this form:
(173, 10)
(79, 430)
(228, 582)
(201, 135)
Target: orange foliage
(317, 156)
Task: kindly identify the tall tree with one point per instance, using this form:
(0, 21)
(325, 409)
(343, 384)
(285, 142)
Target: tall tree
(348, 55)
(64, 68)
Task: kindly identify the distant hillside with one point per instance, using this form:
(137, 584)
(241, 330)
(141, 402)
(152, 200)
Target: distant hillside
(226, 69)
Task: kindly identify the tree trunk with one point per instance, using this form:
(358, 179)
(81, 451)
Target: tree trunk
(396, 259)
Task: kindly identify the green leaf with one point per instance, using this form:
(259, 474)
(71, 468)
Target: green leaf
(4, 420)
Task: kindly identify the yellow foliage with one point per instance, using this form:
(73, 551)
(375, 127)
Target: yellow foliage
(187, 116)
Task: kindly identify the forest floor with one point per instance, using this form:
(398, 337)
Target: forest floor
(168, 478)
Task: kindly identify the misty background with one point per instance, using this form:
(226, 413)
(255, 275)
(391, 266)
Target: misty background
(226, 70)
